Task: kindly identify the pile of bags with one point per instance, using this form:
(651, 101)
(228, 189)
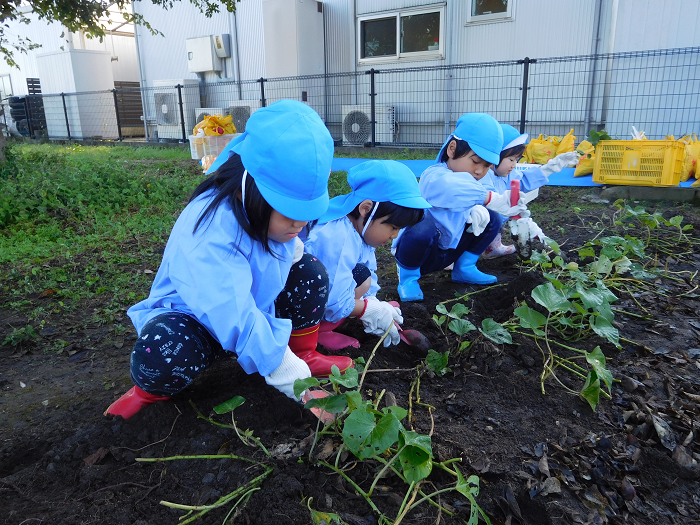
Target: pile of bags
(541, 149)
(692, 155)
(215, 125)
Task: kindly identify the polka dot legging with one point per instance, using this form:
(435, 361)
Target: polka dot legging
(174, 348)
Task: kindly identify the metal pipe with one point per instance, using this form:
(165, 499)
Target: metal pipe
(238, 56)
(591, 77)
(609, 66)
(142, 79)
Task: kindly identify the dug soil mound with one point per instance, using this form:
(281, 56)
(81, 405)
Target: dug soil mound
(541, 458)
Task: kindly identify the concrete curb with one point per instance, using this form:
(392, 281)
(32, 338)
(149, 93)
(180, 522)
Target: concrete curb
(676, 194)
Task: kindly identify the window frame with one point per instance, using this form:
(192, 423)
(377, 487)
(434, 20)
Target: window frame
(437, 54)
(507, 16)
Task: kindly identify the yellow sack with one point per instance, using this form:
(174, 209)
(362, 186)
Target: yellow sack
(567, 143)
(696, 184)
(542, 151)
(216, 125)
(587, 160)
(690, 163)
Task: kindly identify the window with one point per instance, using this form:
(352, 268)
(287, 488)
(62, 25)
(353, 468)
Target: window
(398, 35)
(490, 11)
(5, 87)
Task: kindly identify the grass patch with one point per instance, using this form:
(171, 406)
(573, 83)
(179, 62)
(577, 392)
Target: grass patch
(84, 222)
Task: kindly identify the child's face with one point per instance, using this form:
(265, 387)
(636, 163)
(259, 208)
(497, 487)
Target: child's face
(507, 165)
(283, 229)
(470, 163)
(379, 232)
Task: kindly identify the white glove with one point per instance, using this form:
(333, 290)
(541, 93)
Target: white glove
(479, 219)
(561, 161)
(380, 315)
(534, 230)
(500, 203)
(291, 369)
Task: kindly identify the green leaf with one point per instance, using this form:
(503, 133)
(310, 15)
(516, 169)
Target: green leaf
(639, 272)
(606, 312)
(591, 390)
(604, 329)
(554, 245)
(302, 384)
(324, 518)
(539, 257)
(549, 297)
(596, 359)
(441, 308)
(332, 404)
(611, 253)
(437, 362)
(590, 297)
(675, 221)
(365, 437)
(559, 261)
(554, 280)
(349, 379)
(622, 266)
(601, 266)
(230, 405)
(355, 400)
(495, 332)
(461, 326)
(587, 251)
(399, 413)
(529, 318)
(458, 310)
(439, 320)
(417, 456)
(469, 488)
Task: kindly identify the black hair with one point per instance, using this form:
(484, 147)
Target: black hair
(395, 214)
(510, 152)
(226, 182)
(461, 150)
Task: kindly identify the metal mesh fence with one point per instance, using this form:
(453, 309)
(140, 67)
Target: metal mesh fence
(656, 91)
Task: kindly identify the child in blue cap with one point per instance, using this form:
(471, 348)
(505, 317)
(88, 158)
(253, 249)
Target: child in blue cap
(234, 279)
(385, 198)
(499, 178)
(465, 216)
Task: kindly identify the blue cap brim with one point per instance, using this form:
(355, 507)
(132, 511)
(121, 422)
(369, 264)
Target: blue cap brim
(488, 156)
(344, 204)
(298, 210)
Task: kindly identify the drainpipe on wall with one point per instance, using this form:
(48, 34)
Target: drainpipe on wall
(142, 78)
(355, 43)
(609, 65)
(591, 77)
(238, 56)
(450, 53)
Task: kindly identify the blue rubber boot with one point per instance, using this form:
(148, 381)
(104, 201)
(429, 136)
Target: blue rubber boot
(409, 289)
(465, 271)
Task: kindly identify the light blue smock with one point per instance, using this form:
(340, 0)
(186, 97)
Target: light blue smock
(452, 195)
(225, 280)
(530, 180)
(338, 245)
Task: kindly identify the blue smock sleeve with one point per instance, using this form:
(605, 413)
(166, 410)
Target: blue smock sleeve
(532, 179)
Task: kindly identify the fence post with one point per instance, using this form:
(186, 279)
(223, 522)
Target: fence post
(182, 113)
(263, 102)
(65, 113)
(372, 94)
(29, 117)
(526, 74)
(116, 112)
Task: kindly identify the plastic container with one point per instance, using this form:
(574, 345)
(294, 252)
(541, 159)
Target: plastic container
(214, 144)
(639, 162)
(196, 147)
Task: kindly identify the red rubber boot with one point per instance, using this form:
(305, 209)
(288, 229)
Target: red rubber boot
(131, 402)
(303, 343)
(331, 340)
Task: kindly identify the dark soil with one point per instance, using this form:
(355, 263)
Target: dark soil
(63, 462)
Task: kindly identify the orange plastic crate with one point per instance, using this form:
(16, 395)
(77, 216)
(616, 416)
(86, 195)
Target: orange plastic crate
(639, 162)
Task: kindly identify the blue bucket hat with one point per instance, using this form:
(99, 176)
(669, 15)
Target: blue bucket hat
(288, 150)
(482, 132)
(512, 137)
(379, 181)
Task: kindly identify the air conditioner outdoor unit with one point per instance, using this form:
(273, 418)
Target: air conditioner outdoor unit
(167, 106)
(357, 126)
(241, 110)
